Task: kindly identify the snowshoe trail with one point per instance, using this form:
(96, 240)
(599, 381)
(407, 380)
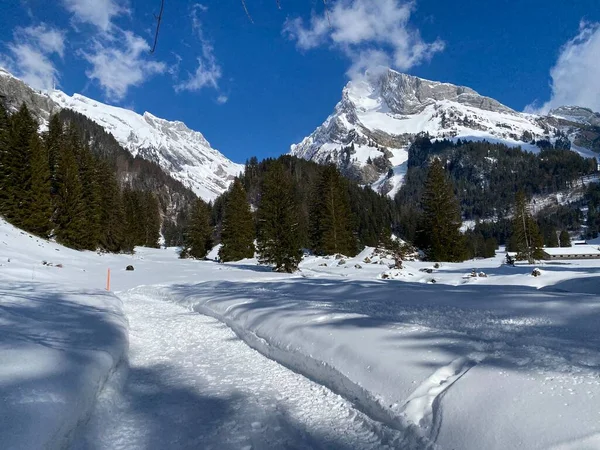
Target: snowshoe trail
(191, 383)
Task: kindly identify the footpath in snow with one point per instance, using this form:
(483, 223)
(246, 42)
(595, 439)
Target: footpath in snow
(191, 383)
(472, 367)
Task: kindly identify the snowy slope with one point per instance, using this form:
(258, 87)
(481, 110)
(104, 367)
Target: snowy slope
(58, 343)
(181, 152)
(379, 116)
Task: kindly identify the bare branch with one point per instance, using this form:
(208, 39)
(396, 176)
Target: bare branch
(158, 20)
(247, 12)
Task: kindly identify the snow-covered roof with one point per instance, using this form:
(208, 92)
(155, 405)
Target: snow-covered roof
(575, 250)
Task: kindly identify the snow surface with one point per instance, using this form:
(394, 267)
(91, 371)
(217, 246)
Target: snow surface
(390, 360)
(574, 250)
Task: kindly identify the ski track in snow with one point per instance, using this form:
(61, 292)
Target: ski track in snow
(191, 383)
(421, 407)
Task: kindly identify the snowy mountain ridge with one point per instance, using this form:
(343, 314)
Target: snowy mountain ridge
(182, 153)
(379, 116)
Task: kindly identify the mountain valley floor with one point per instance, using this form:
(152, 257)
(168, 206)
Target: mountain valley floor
(346, 353)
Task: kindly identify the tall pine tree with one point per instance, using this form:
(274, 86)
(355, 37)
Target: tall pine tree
(91, 197)
(198, 239)
(4, 177)
(112, 211)
(441, 234)
(565, 239)
(39, 218)
(237, 235)
(330, 216)
(526, 239)
(70, 208)
(278, 222)
(53, 140)
(151, 220)
(17, 167)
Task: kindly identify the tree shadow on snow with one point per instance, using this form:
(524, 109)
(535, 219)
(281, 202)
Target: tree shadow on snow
(161, 416)
(455, 320)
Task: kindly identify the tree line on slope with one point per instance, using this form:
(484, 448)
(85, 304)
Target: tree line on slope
(299, 205)
(53, 186)
(138, 174)
(486, 178)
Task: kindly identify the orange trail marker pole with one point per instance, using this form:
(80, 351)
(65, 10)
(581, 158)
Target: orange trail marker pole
(108, 280)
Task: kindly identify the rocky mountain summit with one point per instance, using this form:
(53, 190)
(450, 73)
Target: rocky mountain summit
(379, 116)
(182, 153)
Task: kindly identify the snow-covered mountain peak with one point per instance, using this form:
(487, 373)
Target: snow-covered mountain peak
(184, 153)
(407, 94)
(380, 114)
(577, 114)
(181, 152)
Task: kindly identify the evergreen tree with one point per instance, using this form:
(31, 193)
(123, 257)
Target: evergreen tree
(198, 239)
(70, 209)
(491, 245)
(551, 237)
(91, 197)
(592, 222)
(526, 239)
(135, 232)
(441, 235)
(38, 219)
(278, 222)
(17, 167)
(4, 148)
(330, 216)
(237, 235)
(112, 211)
(565, 239)
(53, 140)
(151, 220)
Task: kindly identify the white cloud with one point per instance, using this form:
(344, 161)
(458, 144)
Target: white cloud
(48, 39)
(208, 72)
(30, 55)
(369, 32)
(222, 99)
(95, 12)
(576, 74)
(120, 62)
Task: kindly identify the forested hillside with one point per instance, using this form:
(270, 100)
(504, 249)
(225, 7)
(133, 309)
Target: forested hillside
(136, 173)
(486, 177)
(54, 186)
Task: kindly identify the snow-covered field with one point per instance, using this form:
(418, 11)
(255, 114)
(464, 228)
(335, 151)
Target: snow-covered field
(379, 358)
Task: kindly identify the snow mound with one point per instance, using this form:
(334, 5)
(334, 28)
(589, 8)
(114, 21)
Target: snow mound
(427, 359)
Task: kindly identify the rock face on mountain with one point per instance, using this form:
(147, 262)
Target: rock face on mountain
(577, 114)
(182, 153)
(371, 128)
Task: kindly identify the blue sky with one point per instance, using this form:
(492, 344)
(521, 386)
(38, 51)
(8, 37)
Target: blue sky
(254, 88)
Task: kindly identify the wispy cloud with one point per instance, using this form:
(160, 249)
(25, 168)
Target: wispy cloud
(208, 71)
(118, 58)
(95, 12)
(121, 62)
(222, 99)
(369, 32)
(29, 55)
(576, 74)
